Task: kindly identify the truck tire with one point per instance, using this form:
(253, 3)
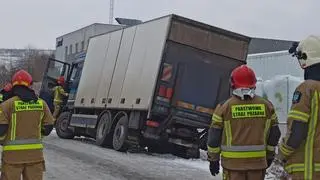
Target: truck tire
(120, 134)
(62, 126)
(103, 135)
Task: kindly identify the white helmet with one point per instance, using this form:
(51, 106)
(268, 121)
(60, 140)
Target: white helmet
(308, 51)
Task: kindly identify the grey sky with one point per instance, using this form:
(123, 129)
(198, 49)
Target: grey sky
(39, 22)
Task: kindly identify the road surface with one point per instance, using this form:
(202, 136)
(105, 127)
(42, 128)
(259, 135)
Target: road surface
(81, 160)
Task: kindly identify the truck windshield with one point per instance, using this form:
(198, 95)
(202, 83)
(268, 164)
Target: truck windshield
(56, 69)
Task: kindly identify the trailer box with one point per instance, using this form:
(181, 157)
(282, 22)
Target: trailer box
(153, 83)
(125, 69)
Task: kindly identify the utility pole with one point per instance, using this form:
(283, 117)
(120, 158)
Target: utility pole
(111, 9)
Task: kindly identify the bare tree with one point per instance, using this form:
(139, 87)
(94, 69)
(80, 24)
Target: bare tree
(30, 59)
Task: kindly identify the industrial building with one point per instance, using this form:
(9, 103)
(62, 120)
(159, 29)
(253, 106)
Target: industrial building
(72, 46)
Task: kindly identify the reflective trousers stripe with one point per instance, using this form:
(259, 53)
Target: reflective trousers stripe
(253, 154)
(24, 141)
(22, 147)
(243, 148)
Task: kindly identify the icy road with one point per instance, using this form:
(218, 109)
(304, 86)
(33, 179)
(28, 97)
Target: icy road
(80, 160)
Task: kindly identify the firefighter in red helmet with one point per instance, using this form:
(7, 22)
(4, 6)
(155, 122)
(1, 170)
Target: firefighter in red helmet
(5, 93)
(59, 94)
(24, 120)
(244, 131)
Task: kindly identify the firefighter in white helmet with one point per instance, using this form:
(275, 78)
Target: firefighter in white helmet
(299, 151)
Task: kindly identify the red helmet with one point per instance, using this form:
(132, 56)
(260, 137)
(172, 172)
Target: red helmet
(60, 80)
(8, 87)
(243, 77)
(22, 78)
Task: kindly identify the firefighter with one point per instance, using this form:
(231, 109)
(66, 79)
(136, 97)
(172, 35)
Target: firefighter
(299, 151)
(24, 119)
(59, 94)
(5, 93)
(244, 130)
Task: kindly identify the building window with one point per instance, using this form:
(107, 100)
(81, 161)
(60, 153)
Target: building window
(77, 48)
(59, 43)
(82, 45)
(70, 49)
(66, 51)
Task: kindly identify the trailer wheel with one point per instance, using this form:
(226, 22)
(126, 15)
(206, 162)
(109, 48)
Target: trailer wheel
(120, 134)
(103, 136)
(62, 126)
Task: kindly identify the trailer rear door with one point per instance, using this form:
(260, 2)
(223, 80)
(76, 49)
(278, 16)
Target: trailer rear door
(197, 84)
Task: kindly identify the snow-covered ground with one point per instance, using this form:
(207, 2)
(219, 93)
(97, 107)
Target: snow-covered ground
(79, 160)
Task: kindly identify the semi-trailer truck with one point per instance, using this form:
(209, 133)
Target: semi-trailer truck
(151, 85)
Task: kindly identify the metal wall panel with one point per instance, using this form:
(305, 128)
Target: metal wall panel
(92, 70)
(121, 67)
(208, 40)
(108, 68)
(268, 65)
(144, 64)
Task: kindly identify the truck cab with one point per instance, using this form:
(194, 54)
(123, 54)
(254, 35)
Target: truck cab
(54, 70)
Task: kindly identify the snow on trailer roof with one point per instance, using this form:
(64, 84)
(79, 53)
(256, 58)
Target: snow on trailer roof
(275, 53)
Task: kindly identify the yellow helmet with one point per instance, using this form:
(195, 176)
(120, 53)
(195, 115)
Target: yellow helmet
(307, 51)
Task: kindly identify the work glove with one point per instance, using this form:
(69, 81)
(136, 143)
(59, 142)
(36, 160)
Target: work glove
(214, 168)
